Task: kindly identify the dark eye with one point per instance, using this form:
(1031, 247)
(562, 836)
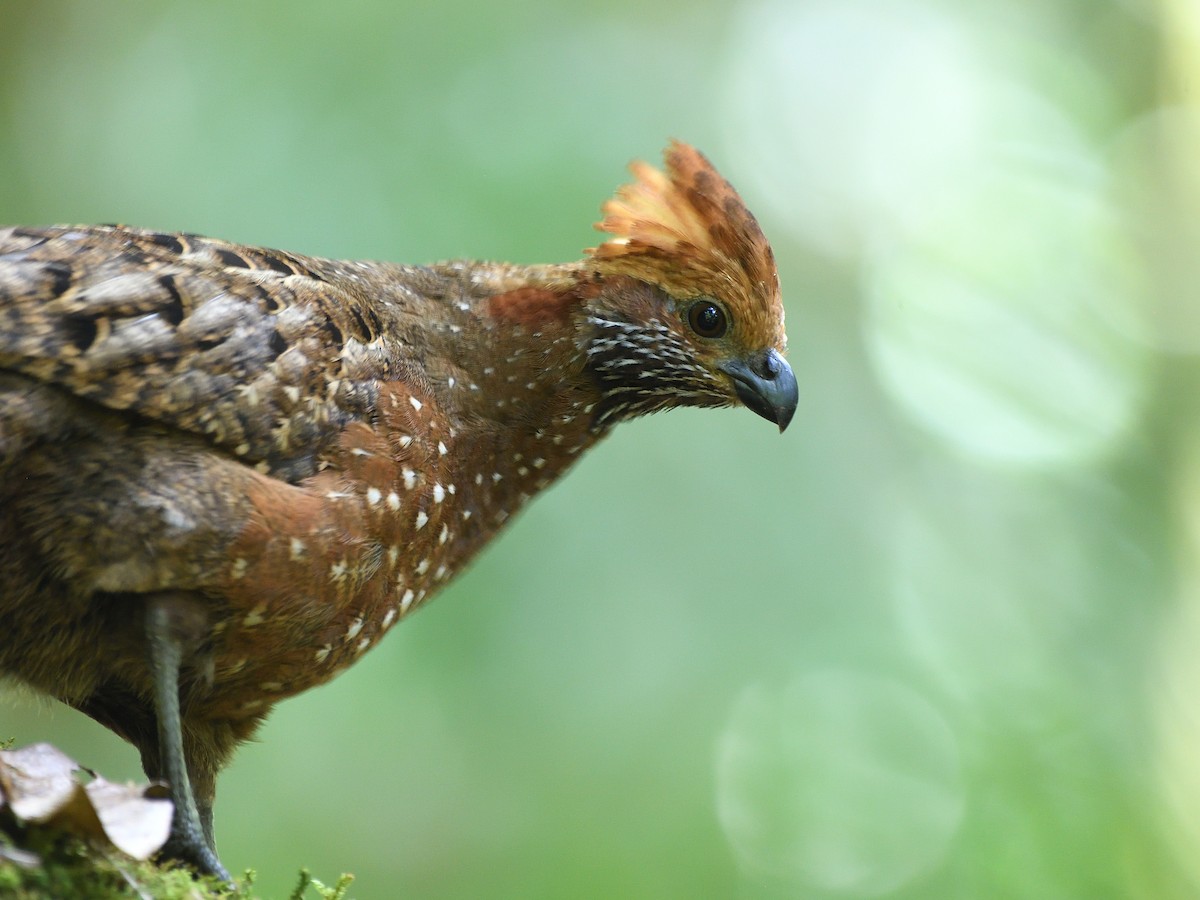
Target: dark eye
(707, 319)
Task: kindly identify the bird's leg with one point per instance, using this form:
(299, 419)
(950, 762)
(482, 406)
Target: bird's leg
(167, 632)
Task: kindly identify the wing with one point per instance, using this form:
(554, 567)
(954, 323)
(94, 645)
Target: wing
(265, 354)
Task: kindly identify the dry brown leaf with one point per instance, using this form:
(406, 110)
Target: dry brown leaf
(40, 784)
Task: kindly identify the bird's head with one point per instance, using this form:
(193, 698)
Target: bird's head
(688, 309)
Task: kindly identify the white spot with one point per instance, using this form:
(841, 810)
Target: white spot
(442, 448)
(473, 386)
(406, 600)
(557, 439)
(421, 519)
(355, 627)
(465, 307)
(253, 704)
(440, 573)
(439, 493)
(292, 393)
(338, 570)
(450, 381)
(423, 567)
(522, 471)
(323, 654)
(241, 449)
(393, 500)
(496, 476)
(466, 514)
(538, 463)
(444, 536)
(450, 488)
(271, 686)
(488, 370)
(405, 440)
(517, 457)
(531, 386)
(410, 478)
(393, 555)
(296, 548)
(239, 567)
(363, 645)
(416, 404)
(374, 495)
(255, 616)
(479, 478)
(389, 617)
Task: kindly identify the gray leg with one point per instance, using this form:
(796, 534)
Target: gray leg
(191, 833)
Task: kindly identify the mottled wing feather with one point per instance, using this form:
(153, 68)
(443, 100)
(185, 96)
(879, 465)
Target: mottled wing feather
(266, 354)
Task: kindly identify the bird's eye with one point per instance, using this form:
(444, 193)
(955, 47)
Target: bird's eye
(707, 319)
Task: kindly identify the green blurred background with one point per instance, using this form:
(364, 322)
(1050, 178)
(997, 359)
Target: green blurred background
(940, 640)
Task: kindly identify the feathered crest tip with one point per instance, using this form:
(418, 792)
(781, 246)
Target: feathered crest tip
(687, 228)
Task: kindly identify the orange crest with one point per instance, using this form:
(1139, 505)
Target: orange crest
(688, 231)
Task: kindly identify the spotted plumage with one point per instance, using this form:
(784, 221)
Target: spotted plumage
(233, 469)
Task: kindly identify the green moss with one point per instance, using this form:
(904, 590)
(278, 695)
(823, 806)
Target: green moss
(66, 866)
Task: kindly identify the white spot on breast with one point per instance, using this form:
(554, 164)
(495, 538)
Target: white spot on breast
(442, 449)
(423, 567)
(444, 536)
(338, 570)
(296, 548)
(393, 555)
(389, 617)
(466, 514)
(440, 573)
(255, 616)
(238, 569)
(522, 471)
(496, 476)
(410, 478)
(416, 404)
(404, 440)
(363, 645)
(406, 601)
(538, 463)
(393, 500)
(374, 495)
(271, 686)
(355, 627)
(421, 519)
(323, 654)
(450, 382)
(359, 451)
(241, 449)
(439, 493)
(479, 478)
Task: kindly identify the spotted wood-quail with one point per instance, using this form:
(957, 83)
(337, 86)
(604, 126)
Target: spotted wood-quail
(227, 471)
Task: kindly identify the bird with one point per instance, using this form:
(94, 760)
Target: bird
(227, 471)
